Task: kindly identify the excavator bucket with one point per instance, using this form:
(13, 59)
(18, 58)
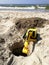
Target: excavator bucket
(25, 48)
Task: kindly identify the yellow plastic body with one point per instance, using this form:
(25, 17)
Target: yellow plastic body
(28, 35)
(26, 44)
(25, 50)
(32, 29)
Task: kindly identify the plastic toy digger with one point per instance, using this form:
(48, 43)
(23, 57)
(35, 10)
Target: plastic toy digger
(29, 36)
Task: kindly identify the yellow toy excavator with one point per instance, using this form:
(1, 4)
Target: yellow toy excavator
(30, 35)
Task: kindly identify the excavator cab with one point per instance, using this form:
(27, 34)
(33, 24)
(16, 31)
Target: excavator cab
(30, 35)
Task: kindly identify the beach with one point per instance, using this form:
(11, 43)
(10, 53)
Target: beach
(13, 25)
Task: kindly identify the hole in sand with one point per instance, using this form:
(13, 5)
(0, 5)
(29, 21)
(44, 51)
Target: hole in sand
(16, 49)
(2, 40)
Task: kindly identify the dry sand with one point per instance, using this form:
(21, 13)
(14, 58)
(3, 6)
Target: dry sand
(13, 24)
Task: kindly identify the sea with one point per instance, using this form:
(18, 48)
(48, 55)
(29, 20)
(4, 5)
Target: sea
(24, 7)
